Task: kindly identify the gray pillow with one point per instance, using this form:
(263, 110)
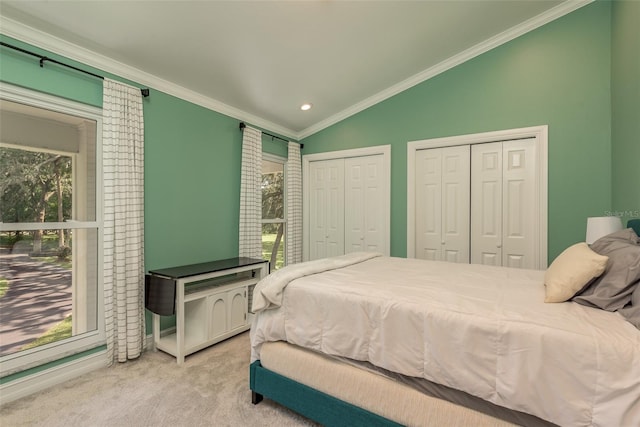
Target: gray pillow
(635, 297)
(612, 290)
(632, 312)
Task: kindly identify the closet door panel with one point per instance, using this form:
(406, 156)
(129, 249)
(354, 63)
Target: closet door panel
(428, 199)
(334, 209)
(519, 203)
(455, 204)
(364, 204)
(486, 203)
(374, 213)
(442, 204)
(326, 205)
(373, 218)
(317, 197)
(355, 189)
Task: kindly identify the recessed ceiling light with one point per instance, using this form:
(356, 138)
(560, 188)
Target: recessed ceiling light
(305, 107)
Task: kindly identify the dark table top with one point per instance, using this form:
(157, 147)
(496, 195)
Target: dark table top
(206, 267)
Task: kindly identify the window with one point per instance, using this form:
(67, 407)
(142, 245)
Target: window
(50, 229)
(273, 215)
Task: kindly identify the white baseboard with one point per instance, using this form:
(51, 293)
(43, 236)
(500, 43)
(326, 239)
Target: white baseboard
(30, 384)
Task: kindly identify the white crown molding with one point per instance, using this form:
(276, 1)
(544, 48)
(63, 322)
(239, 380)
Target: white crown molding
(72, 51)
(485, 46)
(35, 37)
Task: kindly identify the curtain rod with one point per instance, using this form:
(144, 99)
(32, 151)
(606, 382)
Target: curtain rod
(144, 92)
(242, 126)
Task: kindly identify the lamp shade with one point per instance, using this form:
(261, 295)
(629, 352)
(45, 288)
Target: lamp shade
(600, 226)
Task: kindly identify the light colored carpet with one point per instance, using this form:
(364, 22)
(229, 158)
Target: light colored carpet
(210, 389)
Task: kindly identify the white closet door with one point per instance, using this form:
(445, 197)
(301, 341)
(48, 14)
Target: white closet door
(486, 203)
(326, 208)
(503, 203)
(455, 204)
(428, 199)
(518, 205)
(442, 204)
(365, 190)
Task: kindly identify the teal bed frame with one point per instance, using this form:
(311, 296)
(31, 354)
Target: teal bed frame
(311, 403)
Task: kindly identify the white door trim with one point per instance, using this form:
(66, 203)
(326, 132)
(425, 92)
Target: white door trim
(384, 150)
(540, 133)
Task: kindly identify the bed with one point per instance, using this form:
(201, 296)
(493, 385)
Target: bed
(364, 339)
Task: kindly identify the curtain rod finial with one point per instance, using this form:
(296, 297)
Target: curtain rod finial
(242, 125)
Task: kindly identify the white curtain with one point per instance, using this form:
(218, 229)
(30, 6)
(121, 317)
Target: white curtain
(294, 205)
(123, 171)
(251, 195)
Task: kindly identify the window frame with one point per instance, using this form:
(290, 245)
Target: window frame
(283, 161)
(25, 359)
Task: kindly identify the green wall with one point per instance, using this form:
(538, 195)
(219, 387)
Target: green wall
(625, 124)
(22, 70)
(558, 75)
(192, 183)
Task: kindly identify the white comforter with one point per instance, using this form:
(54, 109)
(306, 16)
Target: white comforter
(484, 330)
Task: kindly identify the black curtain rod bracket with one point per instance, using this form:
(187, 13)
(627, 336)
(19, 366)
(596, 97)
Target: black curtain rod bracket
(242, 126)
(144, 92)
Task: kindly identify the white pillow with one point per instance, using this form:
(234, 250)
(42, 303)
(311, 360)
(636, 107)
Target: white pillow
(571, 271)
